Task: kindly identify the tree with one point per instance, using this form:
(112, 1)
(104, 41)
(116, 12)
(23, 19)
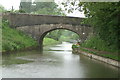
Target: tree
(2, 8)
(48, 8)
(25, 6)
(104, 17)
(54, 34)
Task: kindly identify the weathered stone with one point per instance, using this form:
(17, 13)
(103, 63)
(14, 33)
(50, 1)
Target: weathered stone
(38, 26)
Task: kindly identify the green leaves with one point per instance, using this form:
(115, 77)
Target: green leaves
(75, 46)
(14, 40)
(25, 6)
(1, 8)
(104, 18)
(95, 42)
(48, 8)
(49, 41)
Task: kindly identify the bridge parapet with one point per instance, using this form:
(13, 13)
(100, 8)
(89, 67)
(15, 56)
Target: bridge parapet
(20, 19)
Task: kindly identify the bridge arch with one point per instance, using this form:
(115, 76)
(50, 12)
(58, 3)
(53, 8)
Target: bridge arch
(38, 25)
(45, 33)
(41, 38)
(38, 32)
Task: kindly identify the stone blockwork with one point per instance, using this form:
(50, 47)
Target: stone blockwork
(17, 20)
(38, 26)
(38, 32)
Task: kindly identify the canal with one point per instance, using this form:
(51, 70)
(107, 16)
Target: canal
(56, 62)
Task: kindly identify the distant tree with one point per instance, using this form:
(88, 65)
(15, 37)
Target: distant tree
(59, 34)
(70, 34)
(25, 5)
(2, 8)
(54, 34)
(48, 8)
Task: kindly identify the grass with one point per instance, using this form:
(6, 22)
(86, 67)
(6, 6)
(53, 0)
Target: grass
(98, 44)
(13, 39)
(111, 56)
(49, 41)
(95, 42)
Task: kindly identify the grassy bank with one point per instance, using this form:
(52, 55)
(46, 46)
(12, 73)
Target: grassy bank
(95, 42)
(49, 41)
(99, 47)
(111, 56)
(13, 39)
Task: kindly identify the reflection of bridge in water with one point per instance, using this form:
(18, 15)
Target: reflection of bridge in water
(38, 26)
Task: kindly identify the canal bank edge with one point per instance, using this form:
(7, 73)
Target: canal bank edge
(100, 58)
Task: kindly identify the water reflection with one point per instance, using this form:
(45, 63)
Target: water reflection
(55, 62)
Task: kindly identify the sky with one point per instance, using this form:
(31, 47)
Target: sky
(15, 3)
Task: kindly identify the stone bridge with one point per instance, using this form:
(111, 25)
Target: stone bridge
(37, 26)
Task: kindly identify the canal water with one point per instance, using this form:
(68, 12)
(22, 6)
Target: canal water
(55, 62)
